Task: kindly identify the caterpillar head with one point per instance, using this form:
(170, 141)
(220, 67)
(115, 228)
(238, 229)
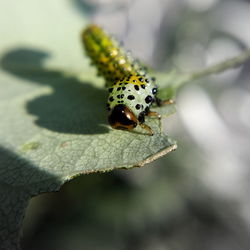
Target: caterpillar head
(121, 117)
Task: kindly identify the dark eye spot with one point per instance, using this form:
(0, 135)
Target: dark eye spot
(148, 99)
(134, 80)
(143, 86)
(122, 95)
(123, 88)
(154, 91)
(110, 90)
(146, 80)
(111, 99)
(141, 79)
(118, 96)
(119, 88)
(137, 106)
(131, 97)
(136, 87)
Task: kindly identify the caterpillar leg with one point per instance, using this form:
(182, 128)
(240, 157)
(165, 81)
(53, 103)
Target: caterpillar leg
(154, 114)
(146, 127)
(160, 102)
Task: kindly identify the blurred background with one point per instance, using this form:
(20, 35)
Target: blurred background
(194, 198)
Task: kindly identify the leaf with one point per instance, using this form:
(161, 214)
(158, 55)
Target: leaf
(53, 123)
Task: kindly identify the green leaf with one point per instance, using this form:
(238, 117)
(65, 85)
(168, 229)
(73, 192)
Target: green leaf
(53, 123)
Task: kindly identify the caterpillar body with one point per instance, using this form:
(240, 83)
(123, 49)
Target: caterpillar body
(131, 90)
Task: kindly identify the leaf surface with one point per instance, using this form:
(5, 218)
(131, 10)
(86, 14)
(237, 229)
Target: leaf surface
(53, 123)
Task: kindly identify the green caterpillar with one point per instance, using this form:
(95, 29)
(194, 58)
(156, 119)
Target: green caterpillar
(131, 90)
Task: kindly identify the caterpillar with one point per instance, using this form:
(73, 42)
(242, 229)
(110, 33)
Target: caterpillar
(131, 90)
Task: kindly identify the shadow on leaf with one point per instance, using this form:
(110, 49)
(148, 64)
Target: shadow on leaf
(19, 181)
(73, 107)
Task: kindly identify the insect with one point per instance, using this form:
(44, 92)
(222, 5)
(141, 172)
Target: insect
(131, 90)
